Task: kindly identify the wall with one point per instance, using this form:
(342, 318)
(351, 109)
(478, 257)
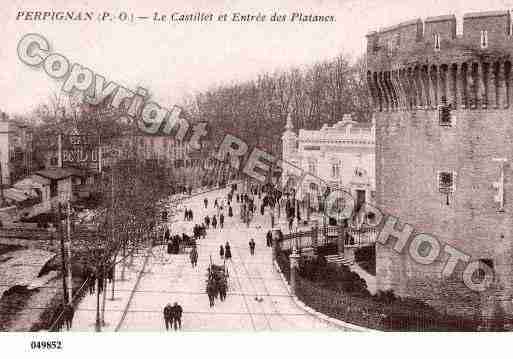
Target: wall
(408, 84)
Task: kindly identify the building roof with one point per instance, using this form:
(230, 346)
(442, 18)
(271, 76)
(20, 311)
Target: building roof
(31, 182)
(56, 173)
(15, 194)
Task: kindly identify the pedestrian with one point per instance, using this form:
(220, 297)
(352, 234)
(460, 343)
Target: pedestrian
(221, 220)
(185, 214)
(68, 315)
(291, 220)
(221, 251)
(177, 316)
(168, 316)
(211, 292)
(101, 281)
(230, 211)
(207, 221)
(238, 198)
(214, 222)
(194, 256)
(252, 247)
(227, 251)
(269, 238)
(222, 289)
(170, 246)
(205, 201)
(191, 215)
(216, 204)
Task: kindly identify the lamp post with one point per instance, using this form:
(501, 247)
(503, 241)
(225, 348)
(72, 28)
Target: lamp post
(294, 266)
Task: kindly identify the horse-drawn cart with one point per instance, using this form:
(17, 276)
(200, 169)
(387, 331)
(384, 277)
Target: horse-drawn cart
(217, 282)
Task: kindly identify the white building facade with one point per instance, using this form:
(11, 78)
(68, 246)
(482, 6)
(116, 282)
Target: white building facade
(339, 156)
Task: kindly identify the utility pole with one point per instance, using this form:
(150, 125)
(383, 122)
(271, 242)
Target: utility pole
(59, 150)
(57, 218)
(98, 325)
(68, 252)
(1, 182)
(112, 228)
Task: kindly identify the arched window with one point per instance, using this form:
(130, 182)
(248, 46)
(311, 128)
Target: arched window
(437, 41)
(335, 169)
(312, 166)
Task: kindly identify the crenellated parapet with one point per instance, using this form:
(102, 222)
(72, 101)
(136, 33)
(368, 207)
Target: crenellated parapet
(422, 64)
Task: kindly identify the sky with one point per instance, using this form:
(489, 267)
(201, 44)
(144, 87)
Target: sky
(173, 60)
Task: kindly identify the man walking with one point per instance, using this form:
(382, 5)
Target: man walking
(227, 251)
(194, 256)
(168, 315)
(68, 315)
(177, 316)
(252, 247)
(221, 220)
(269, 238)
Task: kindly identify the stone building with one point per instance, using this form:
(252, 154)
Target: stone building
(443, 107)
(338, 156)
(15, 150)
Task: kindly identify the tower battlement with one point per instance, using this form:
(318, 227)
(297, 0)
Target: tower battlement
(417, 63)
(393, 42)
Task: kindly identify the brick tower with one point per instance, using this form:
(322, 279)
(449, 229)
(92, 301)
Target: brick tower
(444, 153)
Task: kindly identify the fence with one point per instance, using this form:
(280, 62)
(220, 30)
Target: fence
(324, 236)
(361, 237)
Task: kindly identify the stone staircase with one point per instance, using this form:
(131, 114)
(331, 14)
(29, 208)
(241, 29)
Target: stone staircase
(339, 260)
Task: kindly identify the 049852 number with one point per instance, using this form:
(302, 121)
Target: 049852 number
(46, 345)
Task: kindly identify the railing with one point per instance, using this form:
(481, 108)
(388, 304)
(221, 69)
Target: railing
(361, 237)
(327, 235)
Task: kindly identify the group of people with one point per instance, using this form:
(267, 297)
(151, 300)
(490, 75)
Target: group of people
(188, 215)
(173, 316)
(214, 221)
(199, 231)
(92, 277)
(173, 242)
(225, 252)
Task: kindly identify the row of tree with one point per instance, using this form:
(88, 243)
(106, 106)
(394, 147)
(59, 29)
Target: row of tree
(256, 110)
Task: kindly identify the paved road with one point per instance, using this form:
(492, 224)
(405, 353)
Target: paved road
(257, 298)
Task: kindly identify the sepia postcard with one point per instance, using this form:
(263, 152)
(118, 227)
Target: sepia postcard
(235, 166)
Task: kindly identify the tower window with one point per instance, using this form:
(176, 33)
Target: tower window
(335, 169)
(446, 185)
(446, 182)
(312, 166)
(484, 39)
(437, 42)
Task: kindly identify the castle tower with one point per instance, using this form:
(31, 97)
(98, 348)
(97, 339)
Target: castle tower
(443, 107)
